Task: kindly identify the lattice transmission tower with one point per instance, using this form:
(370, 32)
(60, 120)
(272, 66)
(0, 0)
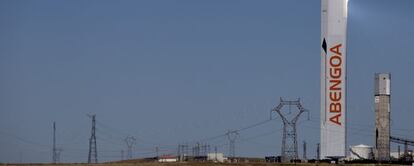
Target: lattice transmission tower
(232, 136)
(289, 138)
(54, 154)
(93, 153)
(130, 142)
(55, 151)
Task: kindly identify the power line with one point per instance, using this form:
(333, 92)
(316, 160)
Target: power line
(108, 138)
(256, 124)
(108, 129)
(238, 130)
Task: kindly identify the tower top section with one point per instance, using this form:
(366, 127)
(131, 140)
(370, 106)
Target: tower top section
(382, 84)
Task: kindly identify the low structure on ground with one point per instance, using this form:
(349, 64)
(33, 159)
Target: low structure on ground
(167, 158)
(216, 157)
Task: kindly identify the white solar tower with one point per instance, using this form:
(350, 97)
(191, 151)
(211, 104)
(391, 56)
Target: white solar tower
(333, 78)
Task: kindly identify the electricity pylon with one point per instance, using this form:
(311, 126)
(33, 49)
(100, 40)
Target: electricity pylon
(232, 136)
(289, 139)
(93, 153)
(130, 142)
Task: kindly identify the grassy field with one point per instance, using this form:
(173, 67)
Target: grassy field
(132, 163)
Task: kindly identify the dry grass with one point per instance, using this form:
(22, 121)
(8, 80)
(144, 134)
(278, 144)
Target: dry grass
(140, 163)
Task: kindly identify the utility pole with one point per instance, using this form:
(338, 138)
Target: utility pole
(196, 149)
(232, 136)
(179, 151)
(122, 154)
(187, 150)
(405, 151)
(318, 151)
(399, 152)
(304, 150)
(182, 151)
(157, 151)
(205, 150)
(130, 142)
(215, 153)
(93, 153)
(289, 139)
(54, 157)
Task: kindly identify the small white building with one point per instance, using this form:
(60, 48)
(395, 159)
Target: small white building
(217, 157)
(167, 159)
(361, 152)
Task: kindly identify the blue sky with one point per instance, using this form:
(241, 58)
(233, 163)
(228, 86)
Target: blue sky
(170, 72)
